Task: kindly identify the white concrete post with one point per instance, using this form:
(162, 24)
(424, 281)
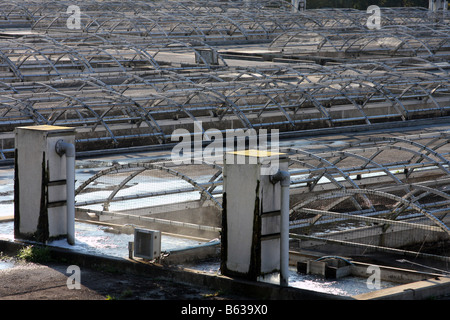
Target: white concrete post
(251, 225)
(437, 5)
(298, 5)
(40, 184)
(284, 178)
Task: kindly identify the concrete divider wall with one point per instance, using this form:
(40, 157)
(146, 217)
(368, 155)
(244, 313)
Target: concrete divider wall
(420, 290)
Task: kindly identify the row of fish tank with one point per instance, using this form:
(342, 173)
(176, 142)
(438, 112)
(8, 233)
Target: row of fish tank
(97, 239)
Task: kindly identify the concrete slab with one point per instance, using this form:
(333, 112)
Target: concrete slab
(420, 290)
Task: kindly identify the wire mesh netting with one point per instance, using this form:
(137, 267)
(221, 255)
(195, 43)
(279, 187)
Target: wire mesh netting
(135, 70)
(377, 194)
(141, 185)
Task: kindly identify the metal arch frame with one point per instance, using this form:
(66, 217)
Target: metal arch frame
(325, 173)
(342, 155)
(9, 86)
(408, 82)
(282, 70)
(416, 153)
(196, 28)
(26, 106)
(216, 6)
(13, 5)
(141, 168)
(113, 58)
(293, 34)
(123, 43)
(401, 207)
(318, 106)
(103, 50)
(122, 18)
(58, 16)
(160, 98)
(171, 75)
(139, 108)
(267, 95)
(357, 37)
(81, 49)
(331, 165)
(115, 14)
(409, 37)
(144, 53)
(12, 65)
(156, 24)
(229, 104)
(389, 97)
(65, 50)
(375, 37)
(32, 53)
(343, 93)
(41, 19)
(262, 92)
(427, 92)
(234, 23)
(347, 192)
(393, 140)
(85, 106)
(262, 23)
(70, 53)
(438, 137)
(346, 154)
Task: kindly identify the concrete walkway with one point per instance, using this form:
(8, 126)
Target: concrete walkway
(30, 281)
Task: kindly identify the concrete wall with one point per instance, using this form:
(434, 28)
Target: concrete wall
(420, 290)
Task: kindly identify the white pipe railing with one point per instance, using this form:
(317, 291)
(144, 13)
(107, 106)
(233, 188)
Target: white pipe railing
(285, 178)
(69, 150)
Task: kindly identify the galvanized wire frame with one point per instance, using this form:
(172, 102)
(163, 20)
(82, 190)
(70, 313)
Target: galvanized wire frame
(137, 67)
(132, 170)
(217, 96)
(368, 187)
(335, 187)
(134, 71)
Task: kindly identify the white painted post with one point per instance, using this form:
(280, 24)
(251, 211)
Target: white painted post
(284, 178)
(437, 5)
(40, 210)
(298, 5)
(251, 225)
(63, 148)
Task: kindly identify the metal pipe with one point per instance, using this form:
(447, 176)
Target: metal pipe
(68, 149)
(285, 178)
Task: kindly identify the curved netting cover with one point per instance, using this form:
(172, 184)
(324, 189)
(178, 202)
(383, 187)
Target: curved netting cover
(132, 72)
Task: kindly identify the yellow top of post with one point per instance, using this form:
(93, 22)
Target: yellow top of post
(47, 128)
(256, 153)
